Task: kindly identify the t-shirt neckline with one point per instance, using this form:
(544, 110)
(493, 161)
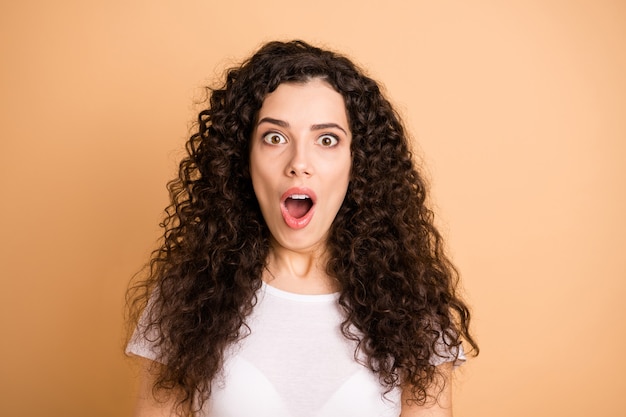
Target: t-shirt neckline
(309, 298)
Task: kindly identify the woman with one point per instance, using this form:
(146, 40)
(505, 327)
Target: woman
(300, 273)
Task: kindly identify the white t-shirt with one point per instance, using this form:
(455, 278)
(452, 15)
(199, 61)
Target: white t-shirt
(294, 363)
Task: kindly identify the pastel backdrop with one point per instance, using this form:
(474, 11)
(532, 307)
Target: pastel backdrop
(518, 109)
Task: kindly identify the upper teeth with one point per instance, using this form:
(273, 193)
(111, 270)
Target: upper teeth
(298, 196)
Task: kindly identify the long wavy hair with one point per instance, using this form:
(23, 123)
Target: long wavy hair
(398, 288)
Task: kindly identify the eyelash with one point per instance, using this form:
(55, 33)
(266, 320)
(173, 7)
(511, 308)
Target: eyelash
(267, 139)
(334, 138)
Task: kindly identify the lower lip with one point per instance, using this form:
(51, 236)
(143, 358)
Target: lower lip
(298, 223)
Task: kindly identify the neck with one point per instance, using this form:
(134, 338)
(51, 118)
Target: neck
(299, 272)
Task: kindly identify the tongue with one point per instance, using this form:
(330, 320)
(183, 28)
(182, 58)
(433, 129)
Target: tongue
(298, 208)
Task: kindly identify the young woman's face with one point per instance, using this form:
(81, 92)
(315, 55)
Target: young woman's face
(300, 162)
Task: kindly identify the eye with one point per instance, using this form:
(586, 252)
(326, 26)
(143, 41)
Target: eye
(327, 141)
(274, 138)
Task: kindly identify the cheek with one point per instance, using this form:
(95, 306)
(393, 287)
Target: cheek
(346, 168)
(257, 179)
(261, 177)
(341, 180)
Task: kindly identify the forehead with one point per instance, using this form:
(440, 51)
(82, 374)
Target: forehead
(311, 99)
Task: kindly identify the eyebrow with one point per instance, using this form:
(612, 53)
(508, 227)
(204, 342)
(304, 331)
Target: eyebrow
(320, 126)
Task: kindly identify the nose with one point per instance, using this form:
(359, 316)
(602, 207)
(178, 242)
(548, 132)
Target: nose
(300, 162)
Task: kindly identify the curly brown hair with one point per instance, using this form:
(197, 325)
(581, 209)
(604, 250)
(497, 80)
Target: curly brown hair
(398, 288)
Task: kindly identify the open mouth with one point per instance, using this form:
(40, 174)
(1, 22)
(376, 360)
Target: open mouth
(298, 205)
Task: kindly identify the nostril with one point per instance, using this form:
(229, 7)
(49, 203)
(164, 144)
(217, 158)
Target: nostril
(296, 172)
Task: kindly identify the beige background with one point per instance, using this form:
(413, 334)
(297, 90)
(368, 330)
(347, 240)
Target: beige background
(519, 108)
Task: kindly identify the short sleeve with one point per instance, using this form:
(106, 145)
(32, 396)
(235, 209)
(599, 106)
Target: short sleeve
(142, 341)
(445, 353)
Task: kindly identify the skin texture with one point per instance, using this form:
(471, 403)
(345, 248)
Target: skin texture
(382, 252)
(147, 405)
(308, 157)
